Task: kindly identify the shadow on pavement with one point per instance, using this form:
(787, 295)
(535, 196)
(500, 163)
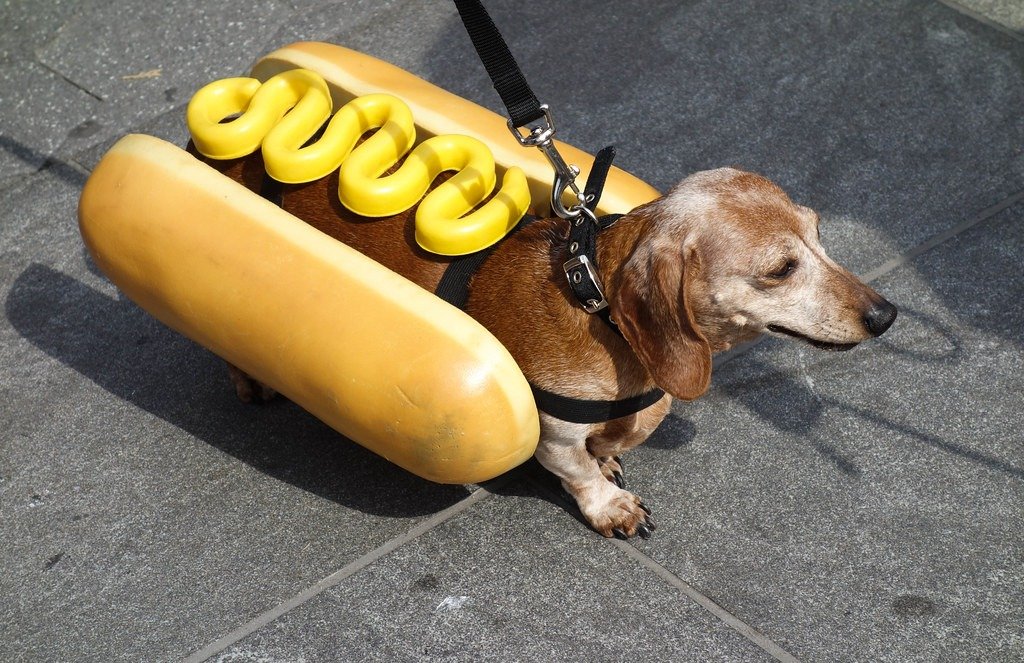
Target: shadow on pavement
(40, 161)
(134, 357)
(792, 406)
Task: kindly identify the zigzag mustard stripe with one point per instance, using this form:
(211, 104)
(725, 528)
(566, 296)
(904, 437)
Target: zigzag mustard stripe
(284, 113)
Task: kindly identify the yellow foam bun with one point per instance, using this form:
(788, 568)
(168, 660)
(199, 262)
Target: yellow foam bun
(351, 74)
(367, 351)
(371, 354)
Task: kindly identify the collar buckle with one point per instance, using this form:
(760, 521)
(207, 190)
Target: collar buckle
(585, 283)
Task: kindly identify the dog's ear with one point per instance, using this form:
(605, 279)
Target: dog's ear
(654, 313)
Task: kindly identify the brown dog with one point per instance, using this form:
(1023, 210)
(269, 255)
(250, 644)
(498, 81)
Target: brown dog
(724, 257)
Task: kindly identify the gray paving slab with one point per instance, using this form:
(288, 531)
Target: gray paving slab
(512, 579)
(146, 511)
(894, 119)
(30, 25)
(137, 50)
(399, 31)
(866, 505)
(143, 58)
(1008, 13)
(362, 25)
(170, 126)
(38, 112)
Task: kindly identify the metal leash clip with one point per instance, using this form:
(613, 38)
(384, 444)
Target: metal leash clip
(541, 136)
(579, 269)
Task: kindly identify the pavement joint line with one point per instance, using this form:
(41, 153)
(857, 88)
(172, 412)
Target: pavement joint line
(981, 18)
(77, 86)
(731, 620)
(894, 263)
(942, 237)
(350, 569)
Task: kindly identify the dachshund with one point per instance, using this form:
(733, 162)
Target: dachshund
(722, 258)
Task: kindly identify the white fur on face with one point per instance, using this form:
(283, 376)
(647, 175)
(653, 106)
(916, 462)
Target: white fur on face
(743, 227)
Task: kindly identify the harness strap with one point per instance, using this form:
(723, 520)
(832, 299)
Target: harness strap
(579, 411)
(454, 289)
(271, 189)
(581, 262)
(454, 284)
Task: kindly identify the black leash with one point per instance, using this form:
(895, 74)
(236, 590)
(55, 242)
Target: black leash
(527, 114)
(519, 99)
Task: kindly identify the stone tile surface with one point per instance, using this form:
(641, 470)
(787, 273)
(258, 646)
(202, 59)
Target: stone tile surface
(861, 506)
(143, 58)
(137, 50)
(39, 111)
(1008, 13)
(30, 25)
(170, 126)
(513, 578)
(368, 26)
(894, 119)
(866, 505)
(146, 512)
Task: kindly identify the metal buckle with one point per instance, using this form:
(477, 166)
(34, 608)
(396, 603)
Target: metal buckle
(572, 271)
(536, 135)
(541, 136)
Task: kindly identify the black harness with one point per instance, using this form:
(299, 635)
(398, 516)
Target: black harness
(454, 289)
(580, 266)
(526, 113)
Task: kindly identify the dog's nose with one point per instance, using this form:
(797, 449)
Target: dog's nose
(879, 317)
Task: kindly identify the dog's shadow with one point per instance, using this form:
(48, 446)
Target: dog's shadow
(131, 355)
(790, 407)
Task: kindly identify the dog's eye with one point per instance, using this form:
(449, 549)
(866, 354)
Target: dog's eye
(783, 270)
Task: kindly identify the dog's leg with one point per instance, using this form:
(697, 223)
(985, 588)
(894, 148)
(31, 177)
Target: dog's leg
(618, 436)
(610, 510)
(248, 389)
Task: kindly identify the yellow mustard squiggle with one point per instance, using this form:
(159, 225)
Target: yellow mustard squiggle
(284, 113)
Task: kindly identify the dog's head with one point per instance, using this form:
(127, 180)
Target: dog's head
(725, 256)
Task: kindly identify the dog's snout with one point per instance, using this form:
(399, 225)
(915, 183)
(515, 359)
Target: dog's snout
(879, 317)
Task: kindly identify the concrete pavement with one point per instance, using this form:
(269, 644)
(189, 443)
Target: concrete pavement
(865, 506)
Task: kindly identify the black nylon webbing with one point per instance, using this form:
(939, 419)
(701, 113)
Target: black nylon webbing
(583, 236)
(505, 74)
(598, 176)
(454, 284)
(271, 189)
(578, 411)
(454, 289)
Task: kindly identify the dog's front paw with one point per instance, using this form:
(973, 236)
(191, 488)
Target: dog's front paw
(614, 512)
(611, 469)
(247, 389)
